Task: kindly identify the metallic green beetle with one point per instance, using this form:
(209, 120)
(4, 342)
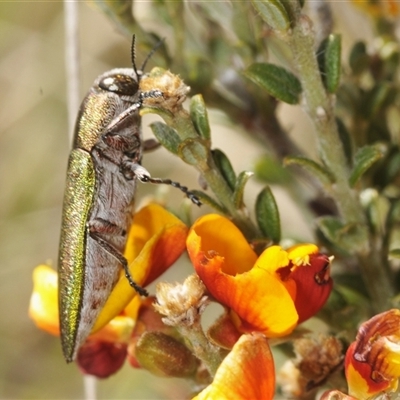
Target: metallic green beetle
(98, 201)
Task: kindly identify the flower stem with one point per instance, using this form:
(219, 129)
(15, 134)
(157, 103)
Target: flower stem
(320, 108)
(201, 347)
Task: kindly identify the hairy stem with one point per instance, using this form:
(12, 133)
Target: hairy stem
(320, 108)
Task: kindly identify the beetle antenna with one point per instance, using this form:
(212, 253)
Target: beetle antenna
(155, 48)
(133, 54)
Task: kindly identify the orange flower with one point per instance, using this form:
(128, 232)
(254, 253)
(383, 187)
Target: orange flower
(155, 242)
(372, 362)
(271, 293)
(247, 372)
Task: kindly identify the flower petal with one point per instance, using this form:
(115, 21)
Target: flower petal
(219, 235)
(101, 359)
(358, 375)
(373, 360)
(258, 296)
(43, 306)
(246, 373)
(156, 240)
(313, 285)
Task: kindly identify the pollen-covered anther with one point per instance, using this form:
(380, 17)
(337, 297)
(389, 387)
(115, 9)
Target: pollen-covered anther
(181, 303)
(302, 261)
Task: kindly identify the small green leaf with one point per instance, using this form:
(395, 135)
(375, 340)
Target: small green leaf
(239, 188)
(359, 58)
(333, 62)
(225, 167)
(336, 233)
(164, 114)
(329, 62)
(267, 215)
(166, 135)
(276, 80)
(364, 159)
(378, 98)
(193, 151)
(198, 113)
(315, 169)
(274, 13)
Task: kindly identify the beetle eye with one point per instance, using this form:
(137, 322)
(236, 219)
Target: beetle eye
(120, 84)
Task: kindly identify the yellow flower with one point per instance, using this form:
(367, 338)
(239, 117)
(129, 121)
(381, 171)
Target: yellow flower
(271, 293)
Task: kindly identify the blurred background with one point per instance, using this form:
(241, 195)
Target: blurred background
(34, 147)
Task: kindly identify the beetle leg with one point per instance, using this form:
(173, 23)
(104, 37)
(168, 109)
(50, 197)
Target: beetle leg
(121, 118)
(115, 124)
(100, 226)
(177, 185)
(130, 170)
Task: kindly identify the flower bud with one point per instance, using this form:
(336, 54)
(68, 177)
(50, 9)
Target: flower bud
(163, 355)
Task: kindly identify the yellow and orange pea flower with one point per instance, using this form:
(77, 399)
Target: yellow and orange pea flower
(271, 293)
(372, 362)
(154, 244)
(247, 372)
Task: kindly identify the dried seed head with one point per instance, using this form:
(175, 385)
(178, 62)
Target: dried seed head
(171, 86)
(181, 303)
(316, 359)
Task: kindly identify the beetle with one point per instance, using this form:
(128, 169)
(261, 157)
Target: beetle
(103, 168)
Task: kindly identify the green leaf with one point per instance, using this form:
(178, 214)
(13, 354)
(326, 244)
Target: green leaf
(315, 169)
(239, 188)
(193, 151)
(378, 212)
(273, 12)
(166, 135)
(329, 62)
(364, 159)
(333, 62)
(276, 80)
(267, 215)
(359, 58)
(378, 98)
(225, 167)
(336, 233)
(198, 113)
